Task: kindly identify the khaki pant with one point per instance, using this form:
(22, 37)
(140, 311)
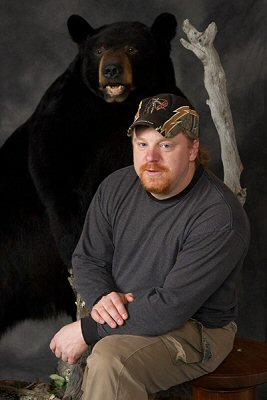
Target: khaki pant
(127, 367)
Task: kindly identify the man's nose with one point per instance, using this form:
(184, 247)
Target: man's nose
(152, 154)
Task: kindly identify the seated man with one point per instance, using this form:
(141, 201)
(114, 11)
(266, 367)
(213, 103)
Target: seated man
(157, 263)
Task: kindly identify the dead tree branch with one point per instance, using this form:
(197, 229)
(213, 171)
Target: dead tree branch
(201, 44)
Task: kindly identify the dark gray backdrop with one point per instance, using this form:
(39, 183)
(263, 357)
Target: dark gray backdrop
(35, 48)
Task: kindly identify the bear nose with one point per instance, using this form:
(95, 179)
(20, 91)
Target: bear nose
(111, 71)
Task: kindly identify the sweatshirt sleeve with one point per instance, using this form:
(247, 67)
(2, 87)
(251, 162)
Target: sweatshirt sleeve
(207, 263)
(92, 258)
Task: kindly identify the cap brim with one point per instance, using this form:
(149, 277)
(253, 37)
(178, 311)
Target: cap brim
(139, 123)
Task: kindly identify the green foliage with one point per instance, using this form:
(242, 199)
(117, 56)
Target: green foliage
(58, 381)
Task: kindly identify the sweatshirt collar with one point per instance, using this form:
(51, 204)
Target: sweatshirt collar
(197, 175)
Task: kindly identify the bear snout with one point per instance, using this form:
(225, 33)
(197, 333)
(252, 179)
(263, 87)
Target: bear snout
(115, 76)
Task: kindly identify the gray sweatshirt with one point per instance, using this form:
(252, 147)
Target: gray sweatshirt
(180, 257)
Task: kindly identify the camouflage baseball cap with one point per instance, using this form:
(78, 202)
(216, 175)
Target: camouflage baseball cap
(168, 114)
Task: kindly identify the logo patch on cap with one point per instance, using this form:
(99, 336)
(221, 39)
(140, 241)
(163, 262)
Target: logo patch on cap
(156, 104)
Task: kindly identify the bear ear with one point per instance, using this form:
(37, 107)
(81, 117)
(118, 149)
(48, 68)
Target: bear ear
(79, 28)
(164, 27)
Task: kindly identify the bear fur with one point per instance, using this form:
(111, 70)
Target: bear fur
(51, 166)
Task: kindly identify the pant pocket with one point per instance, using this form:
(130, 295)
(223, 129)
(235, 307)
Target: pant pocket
(188, 343)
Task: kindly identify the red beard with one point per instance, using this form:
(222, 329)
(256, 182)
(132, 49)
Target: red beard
(158, 184)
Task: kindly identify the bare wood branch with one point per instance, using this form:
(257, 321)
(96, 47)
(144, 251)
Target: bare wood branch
(201, 44)
(32, 394)
(74, 373)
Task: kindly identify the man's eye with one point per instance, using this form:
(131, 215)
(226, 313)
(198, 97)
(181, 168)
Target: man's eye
(141, 145)
(166, 146)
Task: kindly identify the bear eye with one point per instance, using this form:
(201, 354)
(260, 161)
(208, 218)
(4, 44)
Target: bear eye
(99, 50)
(131, 50)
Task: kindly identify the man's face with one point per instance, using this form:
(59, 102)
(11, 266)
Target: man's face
(164, 166)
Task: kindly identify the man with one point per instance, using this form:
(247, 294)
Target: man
(157, 263)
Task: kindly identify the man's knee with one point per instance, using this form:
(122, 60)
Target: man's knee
(106, 353)
(121, 351)
(104, 367)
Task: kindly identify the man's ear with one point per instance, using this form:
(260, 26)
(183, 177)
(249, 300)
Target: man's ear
(194, 150)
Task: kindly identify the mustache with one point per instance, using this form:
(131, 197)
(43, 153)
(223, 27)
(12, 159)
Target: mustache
(153, 167)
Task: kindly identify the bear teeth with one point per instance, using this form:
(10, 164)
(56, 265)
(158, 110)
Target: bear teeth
(115, 90)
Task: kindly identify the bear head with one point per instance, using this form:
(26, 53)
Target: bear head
(124, 59)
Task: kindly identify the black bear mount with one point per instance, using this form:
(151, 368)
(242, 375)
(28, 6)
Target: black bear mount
(51, 166)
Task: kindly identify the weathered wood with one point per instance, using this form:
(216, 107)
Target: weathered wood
(74, 386)
(201, 44)
(33, 394)
(75, 372)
